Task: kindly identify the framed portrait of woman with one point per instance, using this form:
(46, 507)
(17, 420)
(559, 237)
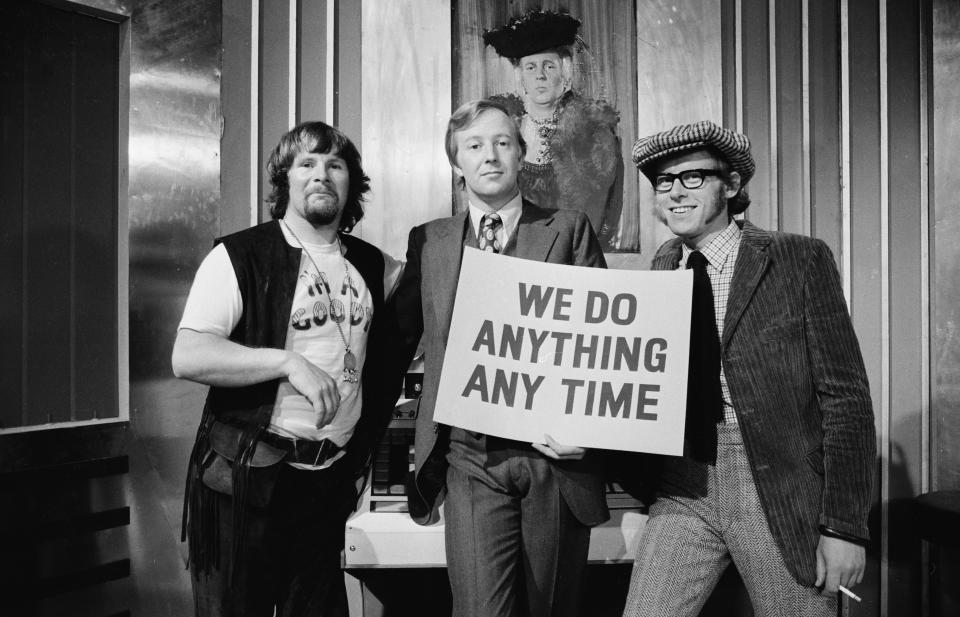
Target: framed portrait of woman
(567, 75)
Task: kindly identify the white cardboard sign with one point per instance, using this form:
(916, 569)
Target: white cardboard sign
(594, 358)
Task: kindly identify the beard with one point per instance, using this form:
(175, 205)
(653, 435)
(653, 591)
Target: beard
(323, 211)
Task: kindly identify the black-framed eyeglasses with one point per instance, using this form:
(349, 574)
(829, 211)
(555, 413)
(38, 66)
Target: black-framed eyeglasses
(690, 179)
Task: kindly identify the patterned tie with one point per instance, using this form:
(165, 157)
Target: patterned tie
(704, 395)
(488, 233)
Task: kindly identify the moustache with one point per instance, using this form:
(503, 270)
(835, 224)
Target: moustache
(323, 191)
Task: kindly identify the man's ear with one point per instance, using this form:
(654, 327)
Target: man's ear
(733, 184)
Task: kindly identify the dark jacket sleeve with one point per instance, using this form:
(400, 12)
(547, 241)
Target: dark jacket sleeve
(406, 302)
(839, 375)
(586, 247)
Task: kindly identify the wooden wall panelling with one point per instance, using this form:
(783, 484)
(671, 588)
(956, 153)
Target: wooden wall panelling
(755, 53)
(864, 252)
(823, 49)
(945, 247)
(406, 61)
(863, 179)
(906, 299)
(276, 89)
(239, 142)
(313, 32)
(792, 173)
(943, 25)
(348, 102)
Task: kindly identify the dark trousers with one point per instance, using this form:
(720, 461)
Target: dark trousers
(291, 561)
(513, 546)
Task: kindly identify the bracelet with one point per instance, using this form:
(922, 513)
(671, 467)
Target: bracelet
(833, 533)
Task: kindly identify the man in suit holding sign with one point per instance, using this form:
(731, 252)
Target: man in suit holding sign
(522, 510)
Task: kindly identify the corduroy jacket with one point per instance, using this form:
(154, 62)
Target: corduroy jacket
(799, 389)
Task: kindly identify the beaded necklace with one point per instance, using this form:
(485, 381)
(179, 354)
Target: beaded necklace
(546, 127)
(350, 374)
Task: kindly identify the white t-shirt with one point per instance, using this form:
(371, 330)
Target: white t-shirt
(321, 300)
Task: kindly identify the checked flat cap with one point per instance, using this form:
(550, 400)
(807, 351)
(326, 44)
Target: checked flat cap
(733, 146)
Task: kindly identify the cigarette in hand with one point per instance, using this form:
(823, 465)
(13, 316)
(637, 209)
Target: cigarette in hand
(849, 593)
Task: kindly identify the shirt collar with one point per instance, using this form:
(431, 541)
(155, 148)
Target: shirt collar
(509, 215)
(718, 249)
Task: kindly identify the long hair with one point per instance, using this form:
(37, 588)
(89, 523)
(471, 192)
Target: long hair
(318, 138)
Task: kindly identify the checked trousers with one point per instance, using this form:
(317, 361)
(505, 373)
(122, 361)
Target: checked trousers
(705, 517)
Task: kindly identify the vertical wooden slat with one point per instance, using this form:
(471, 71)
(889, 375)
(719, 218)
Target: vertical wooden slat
(313, 30)
(239, 172)
(824, 113)
(793, 210)
(755, 52)
(863, 252)
(349, 36)
(729, 28)
(275, 86)
(906, 295)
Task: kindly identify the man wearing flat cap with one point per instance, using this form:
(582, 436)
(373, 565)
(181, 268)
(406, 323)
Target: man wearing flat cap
(780, 443)
(573, 158)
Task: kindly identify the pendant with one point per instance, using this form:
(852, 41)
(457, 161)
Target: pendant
(350, 367)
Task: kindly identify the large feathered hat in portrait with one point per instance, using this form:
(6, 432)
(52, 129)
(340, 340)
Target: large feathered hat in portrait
(532, 33)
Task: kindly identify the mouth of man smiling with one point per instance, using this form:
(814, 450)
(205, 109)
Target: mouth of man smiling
(681, 209)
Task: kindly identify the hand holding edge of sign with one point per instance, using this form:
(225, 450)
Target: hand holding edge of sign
(558, 451)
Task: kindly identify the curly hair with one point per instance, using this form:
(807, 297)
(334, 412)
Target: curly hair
(319, 138)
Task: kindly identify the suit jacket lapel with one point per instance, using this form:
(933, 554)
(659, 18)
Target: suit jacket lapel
(751, 265)
(447, 236)
(534, 236)
(668, 256)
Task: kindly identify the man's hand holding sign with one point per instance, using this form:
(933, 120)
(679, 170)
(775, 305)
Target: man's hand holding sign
(561, 354)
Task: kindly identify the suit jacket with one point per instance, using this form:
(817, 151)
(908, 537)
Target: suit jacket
(423, 304)
(799, 389)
